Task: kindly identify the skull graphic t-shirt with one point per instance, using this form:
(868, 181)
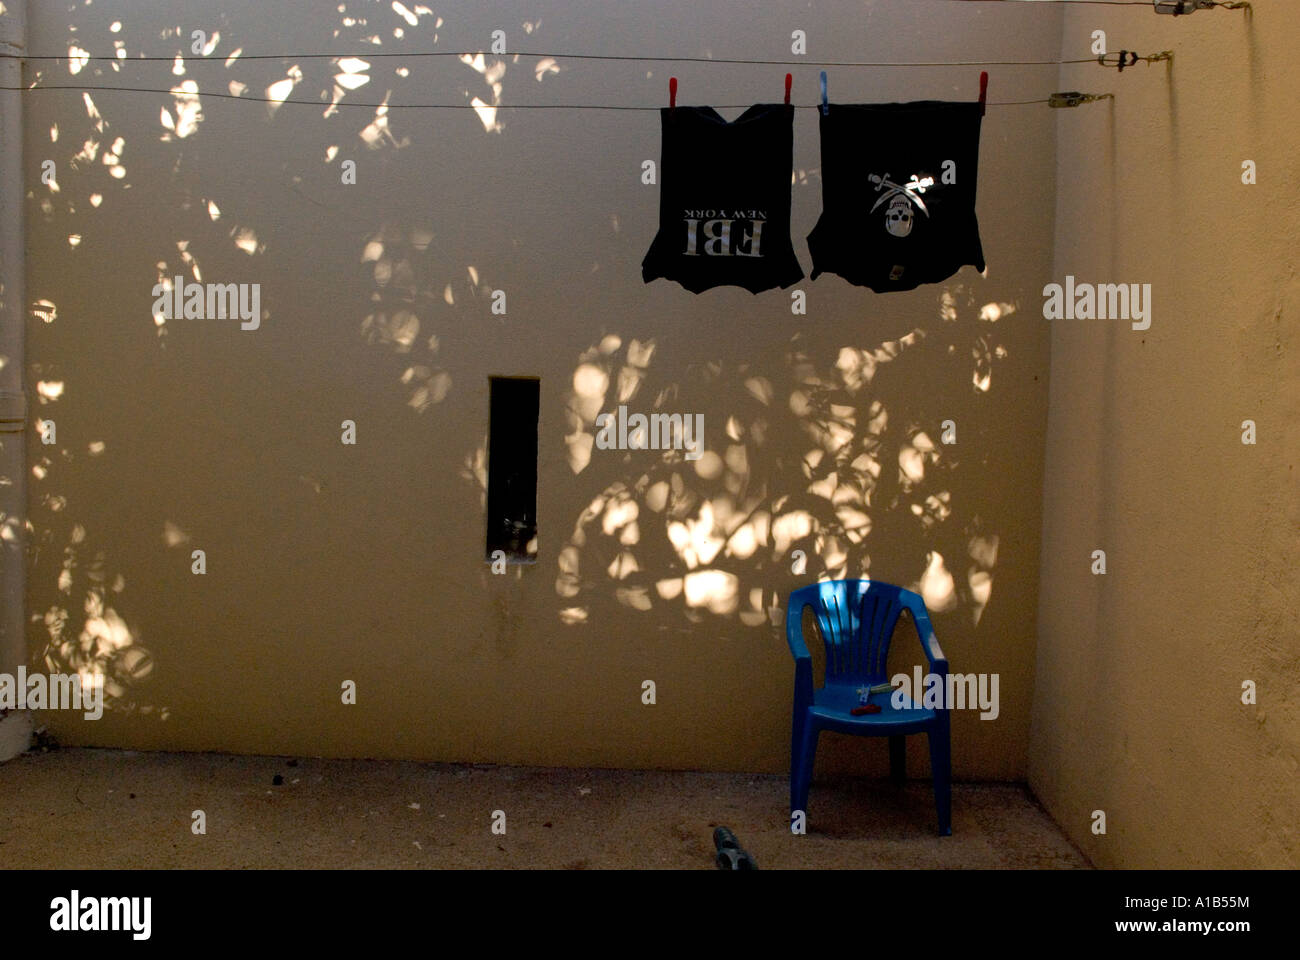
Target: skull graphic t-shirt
(724, 200)
(898, 193)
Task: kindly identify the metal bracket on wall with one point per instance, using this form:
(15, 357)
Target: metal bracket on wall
(1073, 98)
(1128, 58)
(1180, 7)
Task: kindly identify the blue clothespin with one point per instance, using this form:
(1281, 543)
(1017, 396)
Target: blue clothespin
(824, 107)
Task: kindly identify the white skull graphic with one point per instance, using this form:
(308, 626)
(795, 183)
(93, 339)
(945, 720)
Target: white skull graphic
(898, 216)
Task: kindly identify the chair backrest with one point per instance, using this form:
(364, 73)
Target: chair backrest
(857, 620)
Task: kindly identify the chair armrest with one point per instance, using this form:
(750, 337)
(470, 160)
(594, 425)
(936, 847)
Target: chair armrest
(929, 642)
(803, 683)
(794, 633)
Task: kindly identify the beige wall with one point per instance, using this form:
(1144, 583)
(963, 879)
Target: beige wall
(1137, 704)
(328, 563)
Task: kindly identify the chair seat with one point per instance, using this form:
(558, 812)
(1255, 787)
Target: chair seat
(832, 703)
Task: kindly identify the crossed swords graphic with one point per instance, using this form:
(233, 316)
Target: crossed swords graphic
(910, 190)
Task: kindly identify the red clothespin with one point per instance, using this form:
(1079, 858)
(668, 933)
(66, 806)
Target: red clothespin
(788, 80)
(672, 93)
(984, 90)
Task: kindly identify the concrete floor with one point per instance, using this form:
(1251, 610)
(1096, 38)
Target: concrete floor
(87, 809)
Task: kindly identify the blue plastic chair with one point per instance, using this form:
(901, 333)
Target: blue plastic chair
(857, 619)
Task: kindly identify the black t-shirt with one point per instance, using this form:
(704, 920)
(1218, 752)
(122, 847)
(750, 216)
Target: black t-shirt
(898, 193)
(724, 200)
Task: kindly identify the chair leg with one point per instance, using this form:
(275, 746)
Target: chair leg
(796, 754)
(802, 767)
(898, 758)
(941, 769)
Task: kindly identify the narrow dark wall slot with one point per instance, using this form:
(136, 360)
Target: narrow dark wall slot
(512, 467)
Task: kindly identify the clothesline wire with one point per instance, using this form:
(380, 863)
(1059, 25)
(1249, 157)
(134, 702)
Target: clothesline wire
(369, 55)
(1098, 3)
(438, 106)
(1226, 4)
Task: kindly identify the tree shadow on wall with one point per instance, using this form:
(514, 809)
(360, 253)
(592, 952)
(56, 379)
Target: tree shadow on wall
(890, 461)
(107, 182)
(871, 488)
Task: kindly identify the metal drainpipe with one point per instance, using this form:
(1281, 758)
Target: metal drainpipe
(15, 727)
